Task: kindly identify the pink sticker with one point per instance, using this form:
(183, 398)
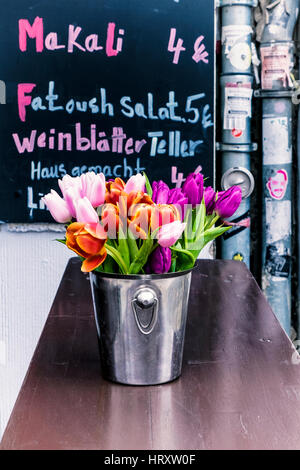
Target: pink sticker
(280, 106)
(277, 185)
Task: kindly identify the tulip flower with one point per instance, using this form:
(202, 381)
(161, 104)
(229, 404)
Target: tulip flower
(193, 188)
(68, 182)
(210, 200)
(58, 207)
(114, 189)
(139, 220)
(135, 183)
(163, 214)
(228, 202)
(71, 197)
(85, 212)
(179, 199)
(110, 219)
(87, 241)
(159, 261)
(93, 187)
(160, 193)
(170, 233)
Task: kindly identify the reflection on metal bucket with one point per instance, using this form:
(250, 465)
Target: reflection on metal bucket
(141, 325)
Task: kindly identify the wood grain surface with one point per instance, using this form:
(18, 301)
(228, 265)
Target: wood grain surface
(240, 386)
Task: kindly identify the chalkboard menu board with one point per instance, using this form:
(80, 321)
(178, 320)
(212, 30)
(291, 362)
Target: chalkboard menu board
(118, 86)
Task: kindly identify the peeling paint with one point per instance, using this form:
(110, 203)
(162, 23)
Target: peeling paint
(24, 228)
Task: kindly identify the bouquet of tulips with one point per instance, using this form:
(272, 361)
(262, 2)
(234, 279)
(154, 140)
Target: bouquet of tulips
(136, 227)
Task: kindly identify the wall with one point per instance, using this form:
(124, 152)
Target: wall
(31, 267)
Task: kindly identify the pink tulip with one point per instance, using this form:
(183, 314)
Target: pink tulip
(71, 197)
(170, 233)
(85, 213)
(68, 182)
(58, 207)
(93, 187)
(135, 183)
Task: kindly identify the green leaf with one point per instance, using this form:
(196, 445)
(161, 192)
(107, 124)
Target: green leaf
(208, 236)
(141, 257)
(111, 251)
(148, 185)
(61, 241)
(109, 265)
(210, 221)
(184, 259)
(123, 248)
(199, 222)
(195, 226)
(132, 245)
(100, 268)
(173, 264)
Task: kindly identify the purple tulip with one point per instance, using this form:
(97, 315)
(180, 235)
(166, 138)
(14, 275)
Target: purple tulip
(210, 200)
(159, 261)
(179, 199)
(228, 202)
(160, 192)
(193, 188)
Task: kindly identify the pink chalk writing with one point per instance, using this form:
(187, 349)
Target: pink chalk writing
(75, 41)
(176, 49)
(110, 51)
(24, 100)
(35, 31)
(178, 178)
(117, 142)
(200, 51)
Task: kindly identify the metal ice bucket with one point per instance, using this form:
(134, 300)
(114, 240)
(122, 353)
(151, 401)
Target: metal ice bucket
(141, 322)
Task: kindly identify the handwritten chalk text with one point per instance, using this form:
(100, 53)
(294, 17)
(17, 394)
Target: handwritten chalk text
(200, 52)
(117, 142)
(75, 41)
(194, 107)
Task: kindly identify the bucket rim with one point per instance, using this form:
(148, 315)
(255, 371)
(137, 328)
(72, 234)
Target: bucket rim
(145, 277)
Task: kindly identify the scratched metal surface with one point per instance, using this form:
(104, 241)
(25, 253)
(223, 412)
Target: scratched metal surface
(240, 387)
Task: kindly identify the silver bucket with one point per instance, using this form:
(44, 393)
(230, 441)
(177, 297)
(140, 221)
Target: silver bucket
(141, 322)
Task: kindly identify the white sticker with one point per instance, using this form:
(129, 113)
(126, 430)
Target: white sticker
(233, 34)
(278, 220)
(237, 51)
(276, 65)
(240, 56)
(237, 109)
(276, 147)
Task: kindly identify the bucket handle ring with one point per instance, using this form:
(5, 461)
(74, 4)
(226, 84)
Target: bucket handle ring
(145, 309)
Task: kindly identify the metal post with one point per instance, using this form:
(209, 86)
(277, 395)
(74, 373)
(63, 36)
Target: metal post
(236, 242)
(236, 104)
(277, 54)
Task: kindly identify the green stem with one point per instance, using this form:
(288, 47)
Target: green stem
(212, 223)
(116, 256)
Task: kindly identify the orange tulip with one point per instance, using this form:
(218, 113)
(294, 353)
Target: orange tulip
(113, 190)
(164, 214)
(110, 218)
(139, 220)
(87, 241)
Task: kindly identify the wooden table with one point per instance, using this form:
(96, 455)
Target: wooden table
(240, 386)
